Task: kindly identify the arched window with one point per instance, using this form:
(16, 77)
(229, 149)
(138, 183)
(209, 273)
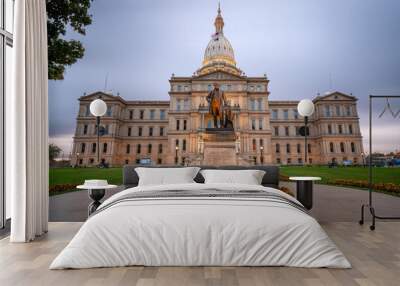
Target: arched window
(94, 147)
(128, 149)
(287, 148)
(139, 149)
(83, 147)
(331, 147)
(342, 147)
(353, 147)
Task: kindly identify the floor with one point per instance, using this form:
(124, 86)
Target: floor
(375, 257)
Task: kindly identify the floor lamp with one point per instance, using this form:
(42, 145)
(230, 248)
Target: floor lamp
(305, 109)
(98, 108)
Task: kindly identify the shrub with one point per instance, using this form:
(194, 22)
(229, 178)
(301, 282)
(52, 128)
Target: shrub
(61, 188)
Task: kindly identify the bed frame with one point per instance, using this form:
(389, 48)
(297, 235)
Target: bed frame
(270, 179)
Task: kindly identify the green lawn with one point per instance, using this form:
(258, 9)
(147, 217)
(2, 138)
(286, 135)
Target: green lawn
(77, 176)
(380, 175)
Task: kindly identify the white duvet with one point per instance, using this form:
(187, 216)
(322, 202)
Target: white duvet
(199, 231)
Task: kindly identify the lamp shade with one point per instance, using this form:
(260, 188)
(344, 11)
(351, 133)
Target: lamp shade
(98, 107)
(305, 107)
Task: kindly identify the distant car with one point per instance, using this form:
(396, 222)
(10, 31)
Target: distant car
(347, 163)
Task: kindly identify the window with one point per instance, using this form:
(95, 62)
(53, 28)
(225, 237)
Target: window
(278, 160)
(276, 131)
(140, 131)
(353, 147)
(351, 129)
(83, 147)
(300, 160)
(161, 131)
(299, 148)
(176, 142)
(184, 144)
(87, 110)
(295, 114)
(309, 148)
(275, 114)
(129, 131)
(287, 148)
(109, 111)
(105, 147)
(337, 110)
(186, 104)
(152, 114)
(128, 148)
(94, 147)
(160, 148)
(137, 161)
(159, 161)
(261, 142)
(149, 148)
(150, 131)
(184, 124)
(260, 104)
(286, 114)
(348, 110)
(287, 130)
(178, 104)
(179, 87)
(252, 104)
(289, 161)
(162, 114)
(260, 124)
(209, 87)
(80, 161)
(85, 129)
(277, 148)
(297, 128)
(139, 149)
(329, 129)
(253, 124)
(331, 148)
(340, 127)
(91, 161)
(327, 111)
(131, 114)
(254, 144)
(141, 114)
(126, 162)
(177, 124)
(342, 147)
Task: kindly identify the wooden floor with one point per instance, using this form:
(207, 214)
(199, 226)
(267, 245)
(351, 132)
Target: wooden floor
(375, 257)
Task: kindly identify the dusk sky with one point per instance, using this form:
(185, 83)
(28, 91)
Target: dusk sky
(304, 46)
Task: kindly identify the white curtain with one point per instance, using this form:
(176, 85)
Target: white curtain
(27, 123)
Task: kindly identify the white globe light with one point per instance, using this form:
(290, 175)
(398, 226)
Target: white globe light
(98, 107)
(305, 107)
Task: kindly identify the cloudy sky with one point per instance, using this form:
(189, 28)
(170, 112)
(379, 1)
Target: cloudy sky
(304, 46)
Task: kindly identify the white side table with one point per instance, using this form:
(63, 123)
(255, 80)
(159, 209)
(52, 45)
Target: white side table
(96, 193)
(304, 190)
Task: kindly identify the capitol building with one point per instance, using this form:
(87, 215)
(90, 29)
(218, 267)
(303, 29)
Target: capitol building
(175, 131)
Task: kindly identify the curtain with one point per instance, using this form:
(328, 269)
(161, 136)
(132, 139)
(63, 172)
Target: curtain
(27, 122)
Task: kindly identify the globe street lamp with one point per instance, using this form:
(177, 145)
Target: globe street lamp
(98, 108)
(305, 109)
(262, 155)
(176, 154)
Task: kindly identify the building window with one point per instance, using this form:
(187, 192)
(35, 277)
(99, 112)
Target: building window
(331, 147)
(287, 131)
(184, 144)
(329, 129)
(348, 110)
(109, 111)
(160, 148)
(152, 114)
(340, 127)
(105, 147)
(351, 129)
(94, 147)
(178, 124)
(126, 162)
(80, 161)
(278, 160)
(260, 104)
(141, 115)
(252, 104)
(186, 104)
(309, 148)
(342, 147)
(137, 161)
(91, 161)
(297, 128)
(131, 114)
(178, 104)
(287, 148)
(129, 131)
(83, 147)
(353, 147)
(128, 149)
(150, 131)
(140, 131)
(179, 88)
(295, 114)
(87, 110)
(276, 131)
(337, 110)
(162, 114)
(275, 114)
(209, 87)
(253, 124)
(289, 161)
(184, 124)
(149, 147)
(300, 160)
(161, 131)
(286, 114)
(277, 148)
(85, 129)
(260, 124)
(298, 148)
(139, 149)
(159, 161)
(327, 111)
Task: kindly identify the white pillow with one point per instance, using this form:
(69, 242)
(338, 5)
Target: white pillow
(166, 176)
(248, 177)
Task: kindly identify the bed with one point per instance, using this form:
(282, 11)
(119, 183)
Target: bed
(201, 224)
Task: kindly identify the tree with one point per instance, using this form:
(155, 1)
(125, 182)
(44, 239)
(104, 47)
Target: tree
(54, 152)
(60, 15)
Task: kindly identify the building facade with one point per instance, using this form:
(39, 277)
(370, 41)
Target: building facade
(174, 131)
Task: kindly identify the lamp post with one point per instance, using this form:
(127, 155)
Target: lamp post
(176, 154)
(262, 155)
(305, 109)
(98, 108)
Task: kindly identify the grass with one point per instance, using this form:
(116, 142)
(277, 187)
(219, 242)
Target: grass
(380, 175)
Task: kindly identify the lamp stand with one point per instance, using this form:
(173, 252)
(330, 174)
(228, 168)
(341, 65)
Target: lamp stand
(305, 140)
(98, 140)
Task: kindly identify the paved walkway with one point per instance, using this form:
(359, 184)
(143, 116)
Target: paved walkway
(331, 204)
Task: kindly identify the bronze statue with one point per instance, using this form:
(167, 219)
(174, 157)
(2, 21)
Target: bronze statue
(218, 106)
